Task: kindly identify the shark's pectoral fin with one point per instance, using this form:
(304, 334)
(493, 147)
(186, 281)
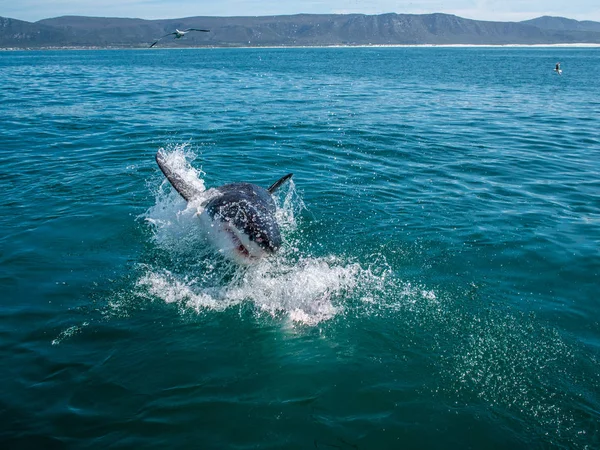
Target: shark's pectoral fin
(185, 189)
(279, 182)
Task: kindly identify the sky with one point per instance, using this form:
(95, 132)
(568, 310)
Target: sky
(500, 10)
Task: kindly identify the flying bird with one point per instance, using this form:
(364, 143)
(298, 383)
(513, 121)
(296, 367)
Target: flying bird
(178, 34)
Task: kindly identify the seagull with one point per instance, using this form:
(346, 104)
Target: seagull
(178, 34)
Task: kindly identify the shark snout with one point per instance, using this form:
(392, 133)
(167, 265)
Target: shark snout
(267, 238)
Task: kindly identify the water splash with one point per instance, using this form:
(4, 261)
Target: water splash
(298, 286)
(307, 292)
(175, 221)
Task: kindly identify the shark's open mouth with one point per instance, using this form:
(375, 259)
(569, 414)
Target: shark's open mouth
(240, 248)
(243, 251)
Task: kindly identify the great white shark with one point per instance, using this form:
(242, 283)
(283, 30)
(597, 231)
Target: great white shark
(239, 217)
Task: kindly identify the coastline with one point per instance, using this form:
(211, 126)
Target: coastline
(564, 45)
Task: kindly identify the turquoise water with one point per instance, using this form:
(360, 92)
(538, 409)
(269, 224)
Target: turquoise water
(438, 284)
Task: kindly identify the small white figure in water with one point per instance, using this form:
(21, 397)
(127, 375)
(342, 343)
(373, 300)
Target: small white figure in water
(178, 34)
(557, 68)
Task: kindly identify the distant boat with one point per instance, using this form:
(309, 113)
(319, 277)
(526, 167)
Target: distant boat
(178, 34)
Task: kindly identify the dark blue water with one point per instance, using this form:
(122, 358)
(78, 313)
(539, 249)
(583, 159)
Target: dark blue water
(438, 285)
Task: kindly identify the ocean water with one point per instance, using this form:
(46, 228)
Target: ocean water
(438, 284)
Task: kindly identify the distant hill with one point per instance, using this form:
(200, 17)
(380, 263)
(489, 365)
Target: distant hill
(18, 33)
(295, 30)
(561, 23)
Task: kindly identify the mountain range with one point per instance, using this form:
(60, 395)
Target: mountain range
(293, 30)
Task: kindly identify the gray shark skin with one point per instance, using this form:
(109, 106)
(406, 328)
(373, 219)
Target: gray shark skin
(241, 215)
(251, 209)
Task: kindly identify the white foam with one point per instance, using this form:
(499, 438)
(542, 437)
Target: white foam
(69, 332)
(307, 291)
(170, 288)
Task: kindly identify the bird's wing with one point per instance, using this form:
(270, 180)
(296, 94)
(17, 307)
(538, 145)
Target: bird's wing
(196, 29)
(156, 41)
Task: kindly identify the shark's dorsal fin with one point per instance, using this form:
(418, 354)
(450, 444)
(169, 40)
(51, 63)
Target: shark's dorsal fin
(279, 182)
(185, 189)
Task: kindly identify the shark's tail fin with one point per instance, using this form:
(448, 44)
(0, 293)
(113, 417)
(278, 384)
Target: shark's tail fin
(279, 182)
